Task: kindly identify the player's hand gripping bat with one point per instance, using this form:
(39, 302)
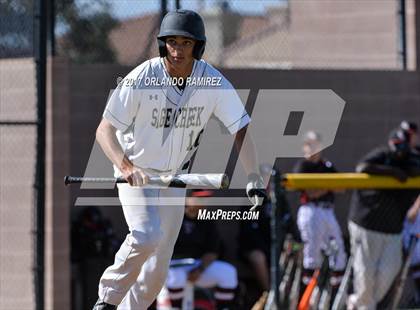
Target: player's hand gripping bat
(208, 180)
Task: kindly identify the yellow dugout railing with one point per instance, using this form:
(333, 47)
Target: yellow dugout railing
(297, 181)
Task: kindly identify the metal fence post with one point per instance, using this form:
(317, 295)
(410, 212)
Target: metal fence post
(40, 49)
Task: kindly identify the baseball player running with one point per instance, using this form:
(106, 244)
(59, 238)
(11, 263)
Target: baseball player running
(152, 127)
(316, 219)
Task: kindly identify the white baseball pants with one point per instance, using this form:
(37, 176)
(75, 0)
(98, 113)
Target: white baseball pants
(141, 264)
(317, 226)
(377, 260)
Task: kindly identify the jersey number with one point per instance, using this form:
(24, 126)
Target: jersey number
(194, 145)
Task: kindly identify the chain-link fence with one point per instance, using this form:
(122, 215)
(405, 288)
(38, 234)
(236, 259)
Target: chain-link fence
(18, 136)
(281, 34)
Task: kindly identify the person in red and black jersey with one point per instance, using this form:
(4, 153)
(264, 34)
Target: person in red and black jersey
(316, 219)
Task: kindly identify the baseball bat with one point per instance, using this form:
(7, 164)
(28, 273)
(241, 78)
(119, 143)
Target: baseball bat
(311, 296)
(285, 281)
(294, 291)
(188, 300)
(325, 289)
(290, 267)
(306, 297)
(208, 180)
(325, 299)
(403, 276)
(340, 298)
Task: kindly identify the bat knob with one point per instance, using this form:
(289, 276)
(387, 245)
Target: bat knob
(66, 180)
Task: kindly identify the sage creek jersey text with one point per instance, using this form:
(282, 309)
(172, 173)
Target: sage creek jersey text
(182, 117)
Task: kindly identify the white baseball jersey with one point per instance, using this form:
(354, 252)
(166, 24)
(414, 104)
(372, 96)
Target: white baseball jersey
(159, 125)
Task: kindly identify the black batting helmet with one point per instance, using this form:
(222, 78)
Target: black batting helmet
(184, 23)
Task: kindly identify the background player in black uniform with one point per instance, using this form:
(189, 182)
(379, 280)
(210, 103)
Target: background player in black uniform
(376, 221)
(316, 219)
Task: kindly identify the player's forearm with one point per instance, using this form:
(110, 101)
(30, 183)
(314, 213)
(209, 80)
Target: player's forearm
(377, 169)
(105, 135)
(248, 153)
(413, 211)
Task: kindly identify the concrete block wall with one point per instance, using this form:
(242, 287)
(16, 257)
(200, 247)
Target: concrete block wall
(17, 168)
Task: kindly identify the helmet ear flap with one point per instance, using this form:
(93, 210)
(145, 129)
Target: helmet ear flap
(162, 47)
(198, 50)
